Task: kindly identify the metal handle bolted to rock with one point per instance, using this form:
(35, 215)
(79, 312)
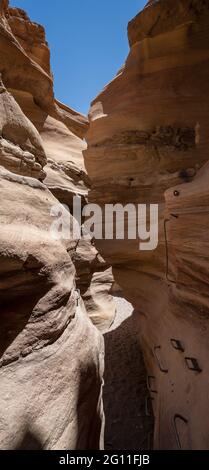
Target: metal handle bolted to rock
(77, 296)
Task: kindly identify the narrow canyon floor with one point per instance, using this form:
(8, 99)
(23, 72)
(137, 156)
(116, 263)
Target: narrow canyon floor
(126, 424)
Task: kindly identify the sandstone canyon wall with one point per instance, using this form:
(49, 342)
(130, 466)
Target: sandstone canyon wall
(148, 143)
(51, 363)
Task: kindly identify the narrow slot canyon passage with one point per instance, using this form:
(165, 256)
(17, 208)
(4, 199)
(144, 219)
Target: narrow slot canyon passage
(134, 175)
(127, 425)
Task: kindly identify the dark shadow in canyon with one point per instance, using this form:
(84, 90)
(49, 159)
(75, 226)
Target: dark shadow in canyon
(16, 307)
(127, 426)
(30, 441)
(89, 420)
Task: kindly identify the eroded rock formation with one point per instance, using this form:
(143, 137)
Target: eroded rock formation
(148, 143)
(51, 363)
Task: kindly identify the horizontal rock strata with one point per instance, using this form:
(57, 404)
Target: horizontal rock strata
(147, 143)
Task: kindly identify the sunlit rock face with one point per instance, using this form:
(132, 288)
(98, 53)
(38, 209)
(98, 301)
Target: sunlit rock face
(148, 143)
(21, 146)
(51, 355)
(25, 65)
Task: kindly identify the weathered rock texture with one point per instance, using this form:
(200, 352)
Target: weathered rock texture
(51, 360)
(148, 143)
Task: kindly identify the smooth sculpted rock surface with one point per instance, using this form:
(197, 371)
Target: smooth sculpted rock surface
(21, 147)
(66, 177)
(51, 355)
(148, 143)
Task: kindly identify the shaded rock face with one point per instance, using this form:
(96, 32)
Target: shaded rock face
(147, 143)
(51, 355)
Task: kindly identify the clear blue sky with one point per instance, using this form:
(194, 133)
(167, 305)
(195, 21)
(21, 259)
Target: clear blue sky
(88, 42)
